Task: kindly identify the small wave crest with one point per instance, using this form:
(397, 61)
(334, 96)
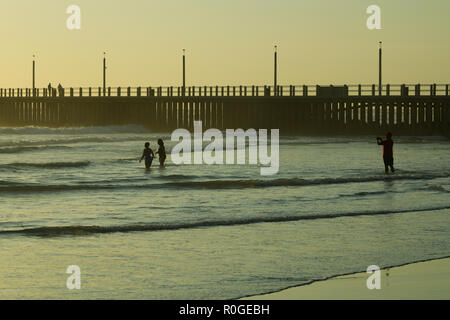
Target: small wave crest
(286, 182)
(65, 141)
(182, 176)
(21, 149)
(436, 188)
(87, 230)
(365, 193)
(47, 165)
(32, 130)
(190, 183)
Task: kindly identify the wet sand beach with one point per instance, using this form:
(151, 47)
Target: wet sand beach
(429, 280)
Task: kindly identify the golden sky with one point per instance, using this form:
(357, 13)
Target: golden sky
(227, 42)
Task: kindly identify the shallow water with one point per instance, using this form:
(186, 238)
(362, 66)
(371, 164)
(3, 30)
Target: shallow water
(79, 197)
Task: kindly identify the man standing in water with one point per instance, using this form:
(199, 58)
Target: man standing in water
(388, 155)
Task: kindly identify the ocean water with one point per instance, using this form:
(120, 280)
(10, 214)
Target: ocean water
(78, 196)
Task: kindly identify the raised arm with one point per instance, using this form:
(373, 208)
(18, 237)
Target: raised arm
(379, 141)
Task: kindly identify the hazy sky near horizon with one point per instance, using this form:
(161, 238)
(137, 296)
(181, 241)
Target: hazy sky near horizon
(227, 42)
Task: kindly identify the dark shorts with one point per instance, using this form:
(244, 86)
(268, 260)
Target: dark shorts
(148, 162)
(388, 161)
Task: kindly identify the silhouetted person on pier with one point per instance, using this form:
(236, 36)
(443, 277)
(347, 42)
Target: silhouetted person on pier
(49, 89)
(148, 155)
(388, 155)
(162, 153)
(60, 90)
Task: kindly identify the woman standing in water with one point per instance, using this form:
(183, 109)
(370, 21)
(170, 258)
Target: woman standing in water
(148, 155)
(162, 153)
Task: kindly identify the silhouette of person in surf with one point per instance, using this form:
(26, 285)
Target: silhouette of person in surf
(388, 155)
(49, 89)
(162, 153)
(148, 155)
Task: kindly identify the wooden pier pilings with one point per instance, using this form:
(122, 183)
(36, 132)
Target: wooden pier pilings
(406, 115)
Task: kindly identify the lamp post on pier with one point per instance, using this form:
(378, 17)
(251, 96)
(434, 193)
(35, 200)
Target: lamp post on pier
(380, 85)
(184, 71)
(34, 75)
(104, 74)
(275, 91)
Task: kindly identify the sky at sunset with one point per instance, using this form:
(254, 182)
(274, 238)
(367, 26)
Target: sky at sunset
(228, 42)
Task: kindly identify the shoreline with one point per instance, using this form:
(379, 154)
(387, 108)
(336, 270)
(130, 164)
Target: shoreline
(422, 279)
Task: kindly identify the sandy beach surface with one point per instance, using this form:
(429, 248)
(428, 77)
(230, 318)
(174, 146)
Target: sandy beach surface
(422, 280)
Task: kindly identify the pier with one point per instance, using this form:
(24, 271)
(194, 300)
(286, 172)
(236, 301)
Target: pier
(414, 109)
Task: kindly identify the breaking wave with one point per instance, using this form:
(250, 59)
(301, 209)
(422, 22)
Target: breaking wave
(191, 183)
(31, 130)
(286, 182)
(71, 140)
(47, 165)
(20, 149)
(87, 230)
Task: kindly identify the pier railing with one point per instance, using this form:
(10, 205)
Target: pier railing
(235, 91)
(420, 109)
